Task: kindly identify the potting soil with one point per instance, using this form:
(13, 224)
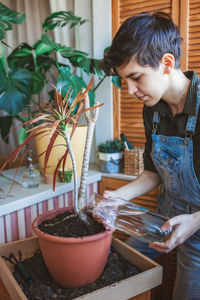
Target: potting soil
(43, 287)
(72, 226)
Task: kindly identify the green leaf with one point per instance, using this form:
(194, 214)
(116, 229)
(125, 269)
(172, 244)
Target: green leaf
(92, 97)
(61, 19)
(38, 82)
(97, 68)
(75, 83)
(84, 64)
(116, 80)
(72, 53)
(15, 91)
(2, 58)
(22, 135)
(64, 82)
(5, 125)
(45, 45)
(64, 72)
(7, 18)
(88, 65)
(111, 146)
(20, 57)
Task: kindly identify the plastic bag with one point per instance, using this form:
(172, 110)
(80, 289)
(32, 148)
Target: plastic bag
(130, 218)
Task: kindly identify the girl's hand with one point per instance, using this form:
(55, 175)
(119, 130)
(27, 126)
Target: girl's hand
(184, 226)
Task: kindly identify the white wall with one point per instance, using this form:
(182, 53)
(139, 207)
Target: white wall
(95, 37)
(102, 36)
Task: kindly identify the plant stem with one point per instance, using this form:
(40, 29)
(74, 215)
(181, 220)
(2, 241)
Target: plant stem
(35, 60)
(71, 153)
(84, 172)
(91, 118)
(100, 82)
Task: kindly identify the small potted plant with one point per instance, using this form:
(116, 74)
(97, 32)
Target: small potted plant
(111, 156)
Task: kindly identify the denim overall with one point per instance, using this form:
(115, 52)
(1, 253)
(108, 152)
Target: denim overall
(173, 159)
(180, 194)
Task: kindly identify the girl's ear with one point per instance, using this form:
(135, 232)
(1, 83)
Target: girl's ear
(168, 61)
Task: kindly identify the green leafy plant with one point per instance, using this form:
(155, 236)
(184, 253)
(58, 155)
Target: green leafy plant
(26, 72)
(111, 146)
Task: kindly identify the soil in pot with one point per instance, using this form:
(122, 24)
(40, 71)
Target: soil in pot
(72, 226)
(44, 287)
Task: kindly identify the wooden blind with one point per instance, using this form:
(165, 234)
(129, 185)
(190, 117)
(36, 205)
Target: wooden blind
(127, 110)
(194, 36)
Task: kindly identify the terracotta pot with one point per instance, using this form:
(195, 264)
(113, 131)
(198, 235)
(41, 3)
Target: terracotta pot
(73, 262)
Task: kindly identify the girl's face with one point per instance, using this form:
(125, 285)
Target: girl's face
(147, 84)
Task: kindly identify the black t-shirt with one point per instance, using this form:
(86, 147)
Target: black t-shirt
(170, 125)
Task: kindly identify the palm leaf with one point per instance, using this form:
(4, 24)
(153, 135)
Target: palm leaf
(61, 19)
(7, 18)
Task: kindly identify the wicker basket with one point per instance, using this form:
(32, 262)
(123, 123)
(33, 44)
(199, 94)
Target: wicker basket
(133, 161)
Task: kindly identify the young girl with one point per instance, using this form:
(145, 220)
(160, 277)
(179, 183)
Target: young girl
(146, 53)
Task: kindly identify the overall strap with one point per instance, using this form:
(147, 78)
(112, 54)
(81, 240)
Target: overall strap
(191, 123)
(156, 120)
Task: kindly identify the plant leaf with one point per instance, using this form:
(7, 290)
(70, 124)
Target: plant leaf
(71, 53)
(116, 80)
(38, 82)
(20, 57)
(15, 91)
(22, 135)
(7, 18)
(5, 125)
(61, 19)
(45, 45)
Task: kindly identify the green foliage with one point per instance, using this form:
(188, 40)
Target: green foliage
(15, 91)
(5, 124)
(67, 81)
(116, 80)
(22, 135)
(30, 68)
(113, 146)
(7, 18)
(61, 19)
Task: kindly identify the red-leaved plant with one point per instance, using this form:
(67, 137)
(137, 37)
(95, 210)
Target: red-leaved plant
(54, 120)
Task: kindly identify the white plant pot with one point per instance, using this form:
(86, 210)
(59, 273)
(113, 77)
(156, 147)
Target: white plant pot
(111, 162)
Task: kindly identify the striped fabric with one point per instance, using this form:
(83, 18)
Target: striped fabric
(18, 224)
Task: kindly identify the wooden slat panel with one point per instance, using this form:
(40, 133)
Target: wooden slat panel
(194, 36)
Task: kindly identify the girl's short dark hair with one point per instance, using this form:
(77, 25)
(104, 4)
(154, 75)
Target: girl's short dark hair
(146, 37)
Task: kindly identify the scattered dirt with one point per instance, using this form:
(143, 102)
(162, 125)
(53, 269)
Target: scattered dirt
(73, 226)
(44, 287)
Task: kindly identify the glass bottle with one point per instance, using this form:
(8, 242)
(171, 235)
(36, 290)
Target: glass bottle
(31, 176)
(130, 218)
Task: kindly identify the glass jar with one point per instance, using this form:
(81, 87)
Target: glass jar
(31, 176)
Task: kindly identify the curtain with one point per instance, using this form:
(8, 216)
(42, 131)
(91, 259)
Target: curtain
(31, 30)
